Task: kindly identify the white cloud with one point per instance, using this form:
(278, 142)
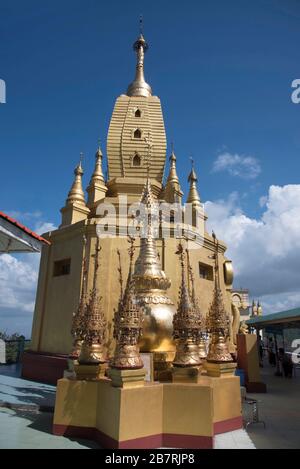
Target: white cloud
(265, 251)
(18, 282)
(245, 167)
(43, 227)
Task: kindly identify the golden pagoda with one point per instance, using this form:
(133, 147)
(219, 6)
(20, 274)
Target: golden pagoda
(118, 409)
(136, 153)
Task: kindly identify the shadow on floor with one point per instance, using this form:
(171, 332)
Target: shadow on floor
(43, 421)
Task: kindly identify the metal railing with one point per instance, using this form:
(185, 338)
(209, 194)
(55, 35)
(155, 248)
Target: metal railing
(14, 349)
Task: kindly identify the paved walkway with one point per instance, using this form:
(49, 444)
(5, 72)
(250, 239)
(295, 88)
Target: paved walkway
(280, 409)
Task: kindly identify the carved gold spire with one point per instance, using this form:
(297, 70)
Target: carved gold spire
(97, 187)
(186, 323)
(217, 319)
(193, 197)
(173, 192)
(199, 333)
(77, 329)
(151, 281)
(127, 324)
(76, 193)
(139, 87)
(94, 330)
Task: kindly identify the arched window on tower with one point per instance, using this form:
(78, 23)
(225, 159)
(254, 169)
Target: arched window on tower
(137, 133)
(136, 160)
(137, 113)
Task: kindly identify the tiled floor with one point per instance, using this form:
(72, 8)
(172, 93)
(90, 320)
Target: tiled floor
(239, 439)
(15, 390)
(24, 430)
(25, 427)
(279, 408)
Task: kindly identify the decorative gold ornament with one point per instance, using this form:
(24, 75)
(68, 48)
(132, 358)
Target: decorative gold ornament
(76, 193)
(127, 324)
(186, 323)
(199, 333)
(94, 327)
(139, 87)
(151, 283)
(217, 320)
(77, 329)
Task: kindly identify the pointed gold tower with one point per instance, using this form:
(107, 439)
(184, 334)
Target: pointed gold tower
(151, 282)
(218, 320)
(75, 208)
(172, 191)
(139, 87)
(199, 333)
(97, 188)
(193, 197)
(187, 324)
(137, 117)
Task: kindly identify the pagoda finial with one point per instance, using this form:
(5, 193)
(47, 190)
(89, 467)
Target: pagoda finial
(139, 87)
(76, 193)
(193, 197)
(173, 192)
(97, 187)
(98, 173)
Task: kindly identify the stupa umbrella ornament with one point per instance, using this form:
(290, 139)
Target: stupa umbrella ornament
(217, 323)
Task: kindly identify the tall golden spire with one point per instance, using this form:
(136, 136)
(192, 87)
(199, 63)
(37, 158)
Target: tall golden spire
(187, 323)
(217, 319)
(139, 87)
(193, 197)
(151, 281)
(76, 193)
(173, 192)
(92, 351)
(97, 188)
(127, 324)
(148, 274)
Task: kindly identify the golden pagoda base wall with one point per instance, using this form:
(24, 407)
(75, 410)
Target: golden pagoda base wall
(178, 415)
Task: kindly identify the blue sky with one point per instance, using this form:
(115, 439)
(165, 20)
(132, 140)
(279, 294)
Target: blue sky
(223, 70)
